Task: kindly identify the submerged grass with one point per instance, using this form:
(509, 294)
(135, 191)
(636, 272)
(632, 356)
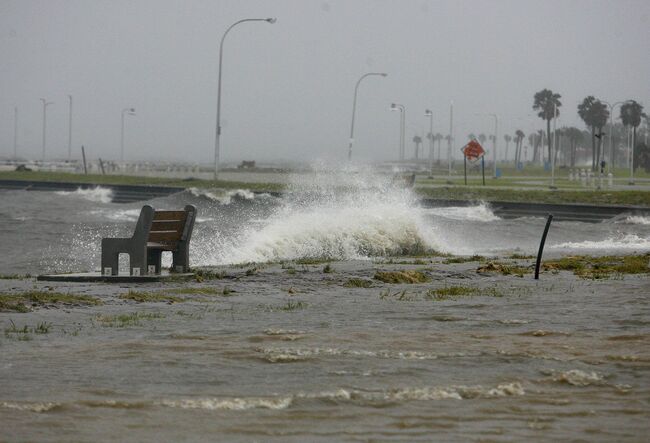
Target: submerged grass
(450, 292)
(453, 260)
(167, 295)
(503, 269)
(125, 320)
(409, 277)
(358, 283)
(601, 267)
(23, 301)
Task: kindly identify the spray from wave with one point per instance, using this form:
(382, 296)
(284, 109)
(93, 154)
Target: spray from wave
(96, 194)
(637, 220)
(343, 215)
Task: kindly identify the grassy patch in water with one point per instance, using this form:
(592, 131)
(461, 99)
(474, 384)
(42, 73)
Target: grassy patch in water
(358, 283)
(313, 260)
(409, 277)
(450, 292)
(125, 320)
(21, 301)
(521, 256)
(293, 305)
(600, 267)
(453, 260)
(150, 297)
(15, 276)
(207, 274)
(503, 269)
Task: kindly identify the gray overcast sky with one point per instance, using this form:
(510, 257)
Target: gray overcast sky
(288, 87)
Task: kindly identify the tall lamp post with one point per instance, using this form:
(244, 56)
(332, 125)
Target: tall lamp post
(70, 128)
(45, 105)
(451, 135)
(611, 130)
(402, 111)
(125, 111)
(218, 126)
(496, 136)
(354, 108)
(15, 132)
(428, 113)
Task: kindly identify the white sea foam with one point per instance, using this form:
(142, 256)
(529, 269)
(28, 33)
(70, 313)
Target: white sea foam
(478, 213)
(127, 215)
(285, 355)
(231, 404)
(32, 407)
(623, 242)
(96, 194)
(577, 377)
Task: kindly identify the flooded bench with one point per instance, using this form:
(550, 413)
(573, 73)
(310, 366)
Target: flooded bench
(155, 232)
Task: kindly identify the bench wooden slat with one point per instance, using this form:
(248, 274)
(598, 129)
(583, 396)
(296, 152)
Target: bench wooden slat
(167, 226)
(169, 215)
(164, 236)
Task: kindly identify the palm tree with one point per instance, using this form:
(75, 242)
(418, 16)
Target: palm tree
(418, 141)
(631, 114)
(507, 138)
(547, 103)
(471, 136)
(595, 114)
(519, 141)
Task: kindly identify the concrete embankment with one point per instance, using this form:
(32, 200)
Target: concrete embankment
(564, 212)
(561, 212)
(121, 193)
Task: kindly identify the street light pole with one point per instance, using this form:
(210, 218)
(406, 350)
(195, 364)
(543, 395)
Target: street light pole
(429, 114)
(402, 110)
(451, 134)
(129, 111)
(496, 137)
(611, 130)
(354, 108)
(15, 132)
(45, 105)
(70, 129)
(218, 126)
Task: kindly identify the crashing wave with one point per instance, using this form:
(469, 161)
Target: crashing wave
(627, 242)
(96, 194)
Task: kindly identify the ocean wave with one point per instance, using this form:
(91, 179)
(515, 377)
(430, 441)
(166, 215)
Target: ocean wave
(230, 404)
(127, 215)
(478, 213)
(577, 377)
(226, 197)
(288, 355)
(29, 406)
(631, 242)
(96, 194)
(636, 220)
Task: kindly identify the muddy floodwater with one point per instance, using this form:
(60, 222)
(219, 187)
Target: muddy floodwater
(294, 334)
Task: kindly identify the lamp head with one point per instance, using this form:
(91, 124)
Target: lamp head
(272, 20)
(383, 74)
(393, 107)
(428, 113)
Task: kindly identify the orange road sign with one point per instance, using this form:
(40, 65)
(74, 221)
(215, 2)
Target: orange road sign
(473, 150)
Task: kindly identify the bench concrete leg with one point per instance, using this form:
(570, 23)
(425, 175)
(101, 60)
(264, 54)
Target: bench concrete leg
(111, 249)
(154, 258)
(181, 258)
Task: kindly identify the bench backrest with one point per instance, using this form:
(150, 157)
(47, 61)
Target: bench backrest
(168, 227)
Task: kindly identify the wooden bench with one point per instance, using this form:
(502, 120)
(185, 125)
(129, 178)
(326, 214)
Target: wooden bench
(155, 232)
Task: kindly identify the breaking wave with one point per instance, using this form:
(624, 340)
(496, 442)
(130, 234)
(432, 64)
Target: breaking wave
(478, 213)
(225, 198)
(96, 194)
(637, 220)
(627, 242)
(339, 215)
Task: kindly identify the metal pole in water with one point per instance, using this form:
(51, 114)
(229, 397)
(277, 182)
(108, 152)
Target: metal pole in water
(541, 246)
(83, 156)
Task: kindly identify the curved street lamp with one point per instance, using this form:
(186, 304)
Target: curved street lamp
(45, 105)
(127, 111)
(428, 113)
(402, 110)
(354, 108)
(218, 126)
